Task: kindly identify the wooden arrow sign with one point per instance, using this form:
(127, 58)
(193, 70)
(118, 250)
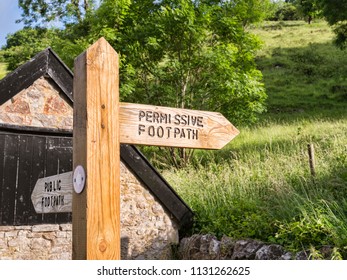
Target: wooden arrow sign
(164, 126)
(53, 194)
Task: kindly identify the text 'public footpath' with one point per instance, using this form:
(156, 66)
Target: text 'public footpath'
(52, 200)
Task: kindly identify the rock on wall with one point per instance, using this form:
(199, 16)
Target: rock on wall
(208, 247)
(39, 242)
(147, 230)
(40, 105)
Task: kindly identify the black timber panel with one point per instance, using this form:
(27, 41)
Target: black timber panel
(51, 169)
(26, 159)
(60, 74)
(19, 78)
(65, 165)
(2, 148)
(9, 182)
(28, 156)
(37, 171)
(58, 158)
(24, 179)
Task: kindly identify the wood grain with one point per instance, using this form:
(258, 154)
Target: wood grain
(96, 218)
(164, 126)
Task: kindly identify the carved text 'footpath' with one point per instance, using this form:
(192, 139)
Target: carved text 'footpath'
(163, 125)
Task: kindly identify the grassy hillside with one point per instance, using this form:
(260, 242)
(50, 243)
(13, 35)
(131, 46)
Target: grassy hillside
(260, 185)
(3, 70)
(304, 73)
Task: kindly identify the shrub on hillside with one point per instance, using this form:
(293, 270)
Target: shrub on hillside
(285, 11)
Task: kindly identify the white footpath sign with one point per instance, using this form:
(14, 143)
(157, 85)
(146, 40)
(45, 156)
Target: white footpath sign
(53, 194)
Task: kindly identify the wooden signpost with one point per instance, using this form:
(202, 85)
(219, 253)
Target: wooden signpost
(100, 124)
(96, 147)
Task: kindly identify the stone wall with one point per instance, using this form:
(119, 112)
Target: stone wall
(40, 105)
(147, 230)
(39, 242)
(208, 247)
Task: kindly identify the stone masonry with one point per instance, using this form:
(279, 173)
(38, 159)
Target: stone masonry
(40, 105)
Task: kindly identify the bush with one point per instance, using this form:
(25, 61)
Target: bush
(285, 11)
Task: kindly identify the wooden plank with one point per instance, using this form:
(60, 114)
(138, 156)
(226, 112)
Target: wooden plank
(24, 179)
(2, 162)
(9, 183)
(51, 168)
(96, 211)
(38, 171)
(164, 126)
(19, 129)
(60, 74)
(65, 155)
(65, 165)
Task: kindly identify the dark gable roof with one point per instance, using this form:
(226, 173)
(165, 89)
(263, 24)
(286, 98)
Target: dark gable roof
(48, 64)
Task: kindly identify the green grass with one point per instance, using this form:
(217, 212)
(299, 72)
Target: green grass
(3, 70)
(260, 185)
(304, 73)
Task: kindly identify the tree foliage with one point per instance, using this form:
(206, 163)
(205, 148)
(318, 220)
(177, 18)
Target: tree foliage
(305, 9)
(40, 12)
(284, 11)
(309, 9)
(178, 53)
(335, 13)
(182, 53)
(25, 43)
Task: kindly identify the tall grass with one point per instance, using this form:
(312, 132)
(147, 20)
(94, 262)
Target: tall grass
(3, 70)
(261, 187)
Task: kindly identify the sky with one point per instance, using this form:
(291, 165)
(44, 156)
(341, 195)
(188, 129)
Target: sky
(9, 13)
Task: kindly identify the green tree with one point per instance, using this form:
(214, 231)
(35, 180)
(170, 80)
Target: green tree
(245, 11)
(284, 11)
(309, 9)
(335, 13)
(69, 40)
(179, 53)
(40, 12)
(25, 43)
(185, 54)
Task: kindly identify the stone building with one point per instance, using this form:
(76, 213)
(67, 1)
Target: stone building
(36, 121)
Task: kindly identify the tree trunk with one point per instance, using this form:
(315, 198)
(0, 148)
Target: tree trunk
(309, 20)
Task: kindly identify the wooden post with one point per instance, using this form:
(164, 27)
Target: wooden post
(310, 148)
(96, 210)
